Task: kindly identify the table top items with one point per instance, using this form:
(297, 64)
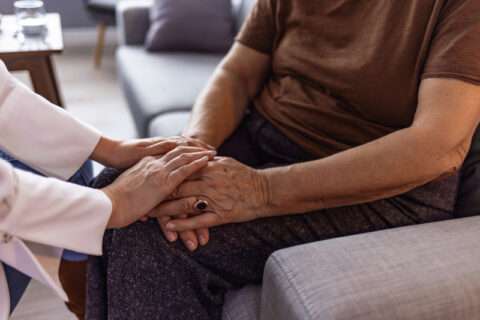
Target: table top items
(31, 18)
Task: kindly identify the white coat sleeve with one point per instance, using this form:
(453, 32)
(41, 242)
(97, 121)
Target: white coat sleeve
(52, 212)
(40, 134)
(40, 216)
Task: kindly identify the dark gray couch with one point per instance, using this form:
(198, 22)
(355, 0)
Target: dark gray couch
(429, 271)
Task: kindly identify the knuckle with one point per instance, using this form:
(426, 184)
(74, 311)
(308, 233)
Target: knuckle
(184, 156)
(176, 193)
(148, 159)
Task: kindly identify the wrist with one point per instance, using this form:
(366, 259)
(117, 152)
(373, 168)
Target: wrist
(265, 193)
(113, 221)
(205, 137)
(104, 150)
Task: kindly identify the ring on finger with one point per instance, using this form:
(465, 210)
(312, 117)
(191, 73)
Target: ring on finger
(200, 205)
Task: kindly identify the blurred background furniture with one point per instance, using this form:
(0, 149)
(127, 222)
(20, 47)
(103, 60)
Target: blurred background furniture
(34, 55)
(427, 271)
(102, 12)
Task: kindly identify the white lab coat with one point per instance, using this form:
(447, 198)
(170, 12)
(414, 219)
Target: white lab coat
(40, 216)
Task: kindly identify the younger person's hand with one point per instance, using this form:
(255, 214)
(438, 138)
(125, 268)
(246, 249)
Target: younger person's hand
(139, 189)
(122, 154)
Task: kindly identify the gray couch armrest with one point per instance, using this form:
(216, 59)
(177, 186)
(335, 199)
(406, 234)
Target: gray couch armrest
(428, 271)
(133, 21)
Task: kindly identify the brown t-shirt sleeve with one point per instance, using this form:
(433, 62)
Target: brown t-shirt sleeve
(258, 31)
(455, 48)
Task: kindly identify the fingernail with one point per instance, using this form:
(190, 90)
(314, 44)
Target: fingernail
(182, 143)
(212, 152)
(204, 158)
(190, 245)
(202, 240)
(170, 226)
(170, 236)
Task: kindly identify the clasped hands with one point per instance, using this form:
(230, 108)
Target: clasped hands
(168, 176)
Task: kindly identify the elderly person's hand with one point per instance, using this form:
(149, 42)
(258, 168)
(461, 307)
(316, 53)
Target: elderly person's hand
(122, 154)
(225, 191)
(138, 190)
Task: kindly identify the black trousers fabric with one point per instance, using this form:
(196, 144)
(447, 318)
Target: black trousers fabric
(143, 276)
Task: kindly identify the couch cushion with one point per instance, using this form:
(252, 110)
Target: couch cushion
(243, 304)
(168, 124)
(190, 25)
(155, 83)
(428, 271)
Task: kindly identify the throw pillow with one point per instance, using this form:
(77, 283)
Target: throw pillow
(190, 25)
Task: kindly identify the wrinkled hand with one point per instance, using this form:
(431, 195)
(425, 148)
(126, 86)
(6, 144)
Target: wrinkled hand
(234, 192)
(191, 238)
(123, 154)
(138, 190)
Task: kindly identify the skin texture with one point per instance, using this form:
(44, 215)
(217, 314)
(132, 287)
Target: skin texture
(434, 146)
(139, 189)
(123, 154)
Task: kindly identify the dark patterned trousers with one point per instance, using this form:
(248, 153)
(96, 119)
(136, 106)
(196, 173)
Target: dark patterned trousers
(143, 276)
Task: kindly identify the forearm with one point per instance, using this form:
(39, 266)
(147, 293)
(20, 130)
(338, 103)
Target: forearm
(383, 168)
(219, 108)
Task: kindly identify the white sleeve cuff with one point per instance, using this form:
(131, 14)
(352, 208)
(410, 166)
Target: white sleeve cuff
(57, 213)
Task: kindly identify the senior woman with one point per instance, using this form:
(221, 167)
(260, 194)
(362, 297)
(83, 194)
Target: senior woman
(335, 118)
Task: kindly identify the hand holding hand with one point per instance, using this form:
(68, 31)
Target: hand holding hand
(234, 193)
(138, 190)
(123, 154)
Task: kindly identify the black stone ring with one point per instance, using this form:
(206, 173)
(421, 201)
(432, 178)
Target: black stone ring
(200, 205)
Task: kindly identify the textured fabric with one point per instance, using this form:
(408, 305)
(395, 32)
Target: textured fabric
(143, 276)
(420, 272)
(347, 72)
(190, 25)
(155, 83)
(468, 197)
(243, 304)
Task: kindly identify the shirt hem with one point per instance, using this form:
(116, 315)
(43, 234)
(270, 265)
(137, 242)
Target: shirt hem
(469, 79)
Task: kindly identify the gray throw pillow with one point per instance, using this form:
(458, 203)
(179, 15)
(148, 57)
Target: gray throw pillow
(190, 25)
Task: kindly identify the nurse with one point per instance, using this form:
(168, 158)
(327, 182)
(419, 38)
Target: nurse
(40, 216)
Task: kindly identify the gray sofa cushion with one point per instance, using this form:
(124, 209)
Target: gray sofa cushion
(169, 124)
(429, 271)
(155, 83)
(190, 25)
(243, 304)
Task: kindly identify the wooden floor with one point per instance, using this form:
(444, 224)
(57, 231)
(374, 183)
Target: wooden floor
(96, 98)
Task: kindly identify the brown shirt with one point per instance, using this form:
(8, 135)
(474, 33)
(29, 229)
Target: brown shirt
(345, 72)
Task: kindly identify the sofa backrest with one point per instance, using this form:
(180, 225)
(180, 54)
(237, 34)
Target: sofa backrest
(242, 12)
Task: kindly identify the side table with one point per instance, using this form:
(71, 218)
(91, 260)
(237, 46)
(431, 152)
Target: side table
(34, 55)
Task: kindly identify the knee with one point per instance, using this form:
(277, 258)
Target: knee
(105, 178)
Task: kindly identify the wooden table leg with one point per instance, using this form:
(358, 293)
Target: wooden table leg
(41, 73)
(44, 81)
